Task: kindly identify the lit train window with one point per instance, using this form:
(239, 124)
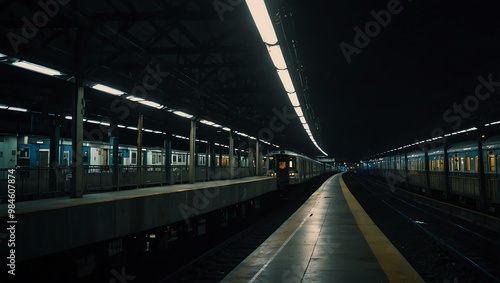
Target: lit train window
(476, 164)
(491, 162)
(290, 165)
(282, 165)
(467, 163)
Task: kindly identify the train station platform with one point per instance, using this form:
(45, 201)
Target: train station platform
(329, 239)
(48, 226)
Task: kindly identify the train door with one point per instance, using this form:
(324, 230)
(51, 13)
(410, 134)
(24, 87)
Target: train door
(65, 161)
(43, 158)
(282, 167)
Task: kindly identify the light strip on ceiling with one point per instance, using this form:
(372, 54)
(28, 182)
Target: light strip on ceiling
(262, 20)
(107, 89)
(37, 68)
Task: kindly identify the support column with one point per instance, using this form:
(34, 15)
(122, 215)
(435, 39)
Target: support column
(212, 161)
(114, 141)
(54, 156)
(446, 171)
(192, 147)
(167, 145)
(231, 155)
(251, 166)
(258, 159)
(139, 151)
(76, 189)
(483, 199)
(427, 170)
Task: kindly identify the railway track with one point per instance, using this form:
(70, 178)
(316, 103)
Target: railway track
(461, 250)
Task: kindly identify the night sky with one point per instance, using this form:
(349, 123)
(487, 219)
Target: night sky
(398, 85)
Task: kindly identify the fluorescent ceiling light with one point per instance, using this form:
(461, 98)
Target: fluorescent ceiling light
(294, 99)
(107, 89)
(134, 98)
(226, 129)
(286, 80)
(2, 55)
(93, 121)
(132, 128)
(277, 56)
(262, 21)
(302, 120)
(3, 106)
(37, 68)
(151, 103)
(206, 122)
(306, 127)
(18, 109)
(121, 126)
(182, 114)
(298, 110)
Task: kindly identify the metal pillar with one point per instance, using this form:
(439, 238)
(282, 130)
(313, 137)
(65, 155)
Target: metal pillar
(446, 170)
(114, 141)
(212, 161)
(54, 157)
(258, 159)
(167, 145)
(139, 150)
(427, 170)
(483, 198)
(76, 189)
(231, 155)
(251, 166)
(192, 147)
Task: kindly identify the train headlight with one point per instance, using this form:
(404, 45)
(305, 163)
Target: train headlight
(271, 173)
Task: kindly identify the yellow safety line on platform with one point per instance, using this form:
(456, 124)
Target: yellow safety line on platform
(395, 266)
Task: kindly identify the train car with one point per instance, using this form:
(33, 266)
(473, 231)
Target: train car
(291, 168)
(460, 168)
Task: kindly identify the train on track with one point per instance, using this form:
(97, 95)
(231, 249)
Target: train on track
(291, 168)
(462, 172)
(35, 152)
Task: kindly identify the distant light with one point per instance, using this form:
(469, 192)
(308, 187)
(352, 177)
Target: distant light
(277, 56)
(132, 128)
(262, 21)
(183, 114)
(122, 126)
(107, 89)
(39, 142)
(93, 121)
(37, 68)
(2, 55)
